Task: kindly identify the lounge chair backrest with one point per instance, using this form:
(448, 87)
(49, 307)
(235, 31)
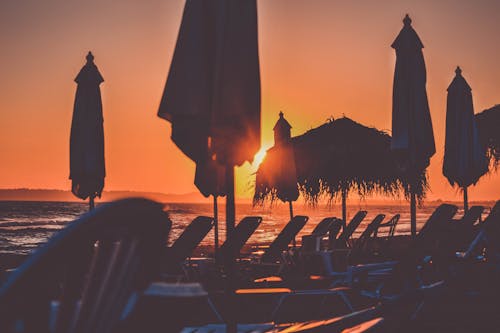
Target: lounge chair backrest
(430, 233)
(369, 231)
(323, 226)
(491, 227)
(191, 237)
(285, 237)
(335, 228)
(92, 267)
(350, 228)
(391, 224)
(488, 232)
(405, 271)
(460, 232)
(242, 232)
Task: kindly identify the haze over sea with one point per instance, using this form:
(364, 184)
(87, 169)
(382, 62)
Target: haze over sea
(24, 225)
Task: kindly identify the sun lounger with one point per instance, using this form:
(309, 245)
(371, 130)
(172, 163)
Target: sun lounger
(391, 225)
(328, 225)
(88, 272)
(343, 240)
(361, 250)
(184, 246)
(354, 274)
(487, 237)
(273, 253)
(242, 232)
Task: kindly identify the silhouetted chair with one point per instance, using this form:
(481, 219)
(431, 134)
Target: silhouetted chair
(361, 248)
(323, 226)
(92, 268)
(488, 236)
(273, 253)
(343, 240)
(184, 246)
(391, 225)
(326, 225)
(242, 232)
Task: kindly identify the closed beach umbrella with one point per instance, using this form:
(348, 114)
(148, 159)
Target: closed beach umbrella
(87, 170)
(412, 135)
(464, 158)
(279, 174)
(209, 179)
(212, 94)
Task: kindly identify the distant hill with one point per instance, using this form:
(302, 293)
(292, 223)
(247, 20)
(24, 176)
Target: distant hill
(24, 194)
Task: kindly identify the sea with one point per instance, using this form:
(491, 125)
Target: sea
(25, 225)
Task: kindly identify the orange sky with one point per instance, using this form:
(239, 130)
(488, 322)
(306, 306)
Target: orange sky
(319, 58)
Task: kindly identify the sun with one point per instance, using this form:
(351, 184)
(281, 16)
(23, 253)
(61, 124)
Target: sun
(259, 157)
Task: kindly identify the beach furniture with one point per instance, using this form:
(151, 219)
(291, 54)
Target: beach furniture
(168, 307)
(242, 232)
(487, 237)
(83, 278)
(328, 225)
(343, 274)
(274, 252)
(189, 239)
(361, 249)
(391, 225)
(342, 241)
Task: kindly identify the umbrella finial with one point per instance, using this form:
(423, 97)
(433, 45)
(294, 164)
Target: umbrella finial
(89, 57)
(407, 20)
(281, 114)
(458, 71)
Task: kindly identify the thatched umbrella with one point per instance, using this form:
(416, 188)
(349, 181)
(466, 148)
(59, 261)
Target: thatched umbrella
(338, 157)
(412, 135)
(87, 170)
(488, 124)
(464, 158)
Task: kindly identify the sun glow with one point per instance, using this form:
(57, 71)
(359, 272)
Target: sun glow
(259, 157)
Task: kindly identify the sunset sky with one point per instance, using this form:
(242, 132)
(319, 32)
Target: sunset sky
(319, 58)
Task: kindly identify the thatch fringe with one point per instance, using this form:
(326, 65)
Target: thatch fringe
(488, 124)
(343, 155)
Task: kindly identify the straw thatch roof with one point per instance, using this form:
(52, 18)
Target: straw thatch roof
(343, 155)
(488, 124)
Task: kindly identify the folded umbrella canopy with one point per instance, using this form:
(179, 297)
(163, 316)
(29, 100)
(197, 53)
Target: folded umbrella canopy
(465, 159)
(212, 94)
(87, 170)
(412, 135)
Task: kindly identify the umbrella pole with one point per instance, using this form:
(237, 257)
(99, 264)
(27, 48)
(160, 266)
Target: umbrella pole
(466, 203)
(290, 206)
(216, 227)
(230, 222)
(413, 213)
(230, 215)
(344, 209)
(91, 202)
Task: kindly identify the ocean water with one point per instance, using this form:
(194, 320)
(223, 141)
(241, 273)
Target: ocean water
(25, 225)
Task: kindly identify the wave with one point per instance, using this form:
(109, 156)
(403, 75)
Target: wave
(27, 230)
(32, 224)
